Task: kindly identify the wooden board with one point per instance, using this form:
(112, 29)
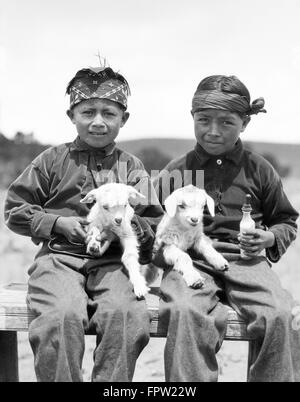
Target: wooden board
(15, 315)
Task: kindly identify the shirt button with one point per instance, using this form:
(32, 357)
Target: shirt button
(219, 161)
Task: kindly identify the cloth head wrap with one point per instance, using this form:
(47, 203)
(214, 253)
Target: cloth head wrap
(215, 99)
(101, 83)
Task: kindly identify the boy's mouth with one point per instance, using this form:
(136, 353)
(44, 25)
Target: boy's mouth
(95, 133)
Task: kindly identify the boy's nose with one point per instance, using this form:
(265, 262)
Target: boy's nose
(214, 130)
(98, 120)
(194, 220)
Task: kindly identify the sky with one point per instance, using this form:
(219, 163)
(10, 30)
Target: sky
(163, 47)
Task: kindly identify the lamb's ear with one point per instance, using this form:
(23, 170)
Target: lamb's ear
(210, 205)
(133, 193)
(171, 205)
(90, 197)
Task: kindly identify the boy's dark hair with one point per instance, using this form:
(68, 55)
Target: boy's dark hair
(229, 84)
(226, 92)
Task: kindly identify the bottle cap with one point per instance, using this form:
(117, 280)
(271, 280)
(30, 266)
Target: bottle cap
(247, 205)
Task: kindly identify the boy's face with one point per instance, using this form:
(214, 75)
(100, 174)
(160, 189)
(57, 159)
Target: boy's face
(217, 131)
(98, 121)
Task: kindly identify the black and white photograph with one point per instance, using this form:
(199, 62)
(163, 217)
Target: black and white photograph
(149, 193)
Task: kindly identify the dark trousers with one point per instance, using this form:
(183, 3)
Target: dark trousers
(69, 295)
(196, 322)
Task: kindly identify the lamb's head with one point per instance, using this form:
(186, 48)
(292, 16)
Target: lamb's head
(113, 202)
(186, 205)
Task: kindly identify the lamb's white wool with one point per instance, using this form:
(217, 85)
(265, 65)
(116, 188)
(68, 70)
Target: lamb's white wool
(112, 214)
(181, 228)
(296, 318)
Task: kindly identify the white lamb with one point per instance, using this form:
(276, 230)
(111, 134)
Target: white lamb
(181, 228)
(112, 214)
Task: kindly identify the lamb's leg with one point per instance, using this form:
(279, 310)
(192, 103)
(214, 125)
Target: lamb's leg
(183, 264)
(93, 245)
(212, 256)
(130, 259)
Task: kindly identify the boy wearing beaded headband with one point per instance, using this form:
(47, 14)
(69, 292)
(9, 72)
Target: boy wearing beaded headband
(98, 83)
(221, 111)
(68, 290)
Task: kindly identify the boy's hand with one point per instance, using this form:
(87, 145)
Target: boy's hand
(72, 228)
(255, 241)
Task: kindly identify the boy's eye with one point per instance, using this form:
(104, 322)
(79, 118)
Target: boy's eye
(202, 120)
(228, 123)
(105, 207)
(87, 112)
(109, 114)
(181, 206)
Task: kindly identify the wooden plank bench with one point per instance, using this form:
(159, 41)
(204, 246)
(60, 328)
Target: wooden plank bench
(15, 316)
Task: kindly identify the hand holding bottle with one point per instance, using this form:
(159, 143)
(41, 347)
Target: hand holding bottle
(254, 241)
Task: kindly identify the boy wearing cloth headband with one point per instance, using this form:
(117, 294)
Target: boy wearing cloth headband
(68, 290)
(221, 110)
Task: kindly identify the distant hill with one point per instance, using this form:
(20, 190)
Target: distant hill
(287, 154)
(17, 153)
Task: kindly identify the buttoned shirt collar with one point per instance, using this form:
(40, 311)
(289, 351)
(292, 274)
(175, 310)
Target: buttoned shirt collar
(235, 155)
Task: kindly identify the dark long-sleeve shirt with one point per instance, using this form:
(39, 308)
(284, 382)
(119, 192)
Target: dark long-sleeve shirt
(227, 179)
(55, 182)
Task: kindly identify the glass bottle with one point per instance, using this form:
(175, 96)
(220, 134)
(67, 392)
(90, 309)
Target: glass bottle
(246, 223)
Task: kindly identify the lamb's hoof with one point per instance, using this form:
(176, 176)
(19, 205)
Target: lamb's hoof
(94, 249)
(140, 289)
(296, 310)
(194, 279)
(296, 318)
(221, 264)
